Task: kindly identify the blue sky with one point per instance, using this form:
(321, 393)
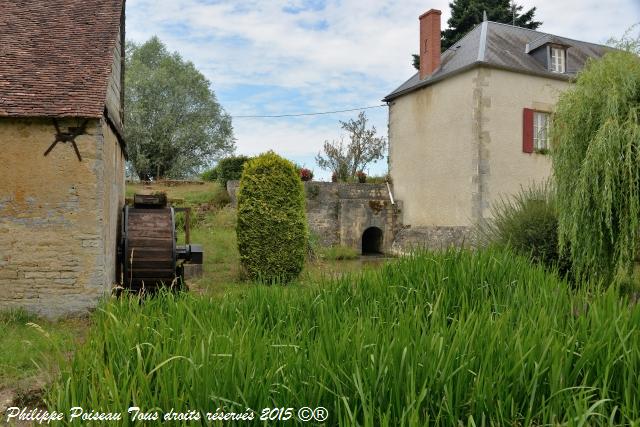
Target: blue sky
(299, 56)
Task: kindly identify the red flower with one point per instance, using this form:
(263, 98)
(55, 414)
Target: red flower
(306, 174)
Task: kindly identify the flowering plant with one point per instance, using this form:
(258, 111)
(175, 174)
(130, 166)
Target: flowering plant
(306, 174)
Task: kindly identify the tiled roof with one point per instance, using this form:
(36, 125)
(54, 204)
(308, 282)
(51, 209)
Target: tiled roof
(503, 46)
(56, 56)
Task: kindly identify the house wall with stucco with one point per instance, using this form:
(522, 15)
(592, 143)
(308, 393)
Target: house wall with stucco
(455, 148)
(430, 152)
(58, 216)
(506, 95)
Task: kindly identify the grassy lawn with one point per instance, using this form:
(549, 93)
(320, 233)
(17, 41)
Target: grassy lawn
(32, 353)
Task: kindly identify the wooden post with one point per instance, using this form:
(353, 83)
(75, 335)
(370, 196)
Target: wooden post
(187, 226)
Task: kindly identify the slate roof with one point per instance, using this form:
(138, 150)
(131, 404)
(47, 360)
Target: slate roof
(503, 46)
(56, 56)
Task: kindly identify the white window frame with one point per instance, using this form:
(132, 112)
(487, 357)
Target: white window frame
(541, 125)
(557, 60)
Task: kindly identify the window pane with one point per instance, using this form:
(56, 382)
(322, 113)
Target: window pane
(557, 60)
(540, 130)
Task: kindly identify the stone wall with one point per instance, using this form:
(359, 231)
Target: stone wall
(339, 213)
(58, 216)
(431, 238)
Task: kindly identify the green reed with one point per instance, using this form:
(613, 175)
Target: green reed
(452, 338)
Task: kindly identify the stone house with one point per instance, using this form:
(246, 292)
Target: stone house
(62, 152)
(472, 125)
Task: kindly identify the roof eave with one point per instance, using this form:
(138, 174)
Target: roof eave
(429, 82)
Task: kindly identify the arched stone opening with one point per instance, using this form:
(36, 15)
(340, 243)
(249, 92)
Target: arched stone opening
(372, 241)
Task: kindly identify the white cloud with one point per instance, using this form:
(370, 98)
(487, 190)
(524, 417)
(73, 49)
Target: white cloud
(362, 53)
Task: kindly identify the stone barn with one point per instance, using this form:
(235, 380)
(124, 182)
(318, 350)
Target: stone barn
(62, 152)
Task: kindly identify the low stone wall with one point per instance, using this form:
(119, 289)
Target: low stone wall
(339, 213)
(431, 238)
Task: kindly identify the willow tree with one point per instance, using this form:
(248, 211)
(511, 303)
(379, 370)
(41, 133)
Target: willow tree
(596, 163)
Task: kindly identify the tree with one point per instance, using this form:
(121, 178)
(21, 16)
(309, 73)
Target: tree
(466, 14)
(627, 42)
(596, 158)
(272, 226)
(227, 169)
(364, 147)
(174, 124)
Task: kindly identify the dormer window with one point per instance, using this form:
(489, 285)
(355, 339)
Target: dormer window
(550, 51)
(557, 63)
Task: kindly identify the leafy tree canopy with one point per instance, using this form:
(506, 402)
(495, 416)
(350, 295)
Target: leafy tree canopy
(346, 159)
(466, 14)
(596, 158)
(174, 125)
(628, 41)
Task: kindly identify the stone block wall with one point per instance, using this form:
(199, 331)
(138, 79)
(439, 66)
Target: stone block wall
(339, 213)
(412, 238)
(58, 216)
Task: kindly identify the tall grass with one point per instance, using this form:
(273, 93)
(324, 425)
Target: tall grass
(31, 348)
(436, 339)
(526, 222)
(339, 252)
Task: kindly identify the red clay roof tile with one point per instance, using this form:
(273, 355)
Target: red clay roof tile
(56, 56)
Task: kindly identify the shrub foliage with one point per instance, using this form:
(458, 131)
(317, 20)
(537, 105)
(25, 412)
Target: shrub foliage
(209, 175)
(227, 169)
(230, 168)
(528, 223)
(272, 226)
(596, 158)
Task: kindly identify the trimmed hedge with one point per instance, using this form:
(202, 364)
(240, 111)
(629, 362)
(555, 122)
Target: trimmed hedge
(272, 226)
(209, 175)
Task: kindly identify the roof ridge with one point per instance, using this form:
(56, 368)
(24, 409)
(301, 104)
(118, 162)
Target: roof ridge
(482, 43)
(548, 34)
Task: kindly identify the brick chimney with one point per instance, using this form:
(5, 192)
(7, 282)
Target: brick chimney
(429, 42)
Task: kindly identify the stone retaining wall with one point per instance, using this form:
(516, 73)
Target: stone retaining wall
(431, 238)
(339, 213)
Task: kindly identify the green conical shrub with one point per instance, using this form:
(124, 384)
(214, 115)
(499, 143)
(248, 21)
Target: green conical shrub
(272, 226)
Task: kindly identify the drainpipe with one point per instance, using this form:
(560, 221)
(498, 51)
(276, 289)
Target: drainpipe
(390, 195)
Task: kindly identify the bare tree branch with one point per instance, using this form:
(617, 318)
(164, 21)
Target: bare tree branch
(364, 147)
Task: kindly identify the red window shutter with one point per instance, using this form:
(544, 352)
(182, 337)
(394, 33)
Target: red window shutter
(527, 130)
